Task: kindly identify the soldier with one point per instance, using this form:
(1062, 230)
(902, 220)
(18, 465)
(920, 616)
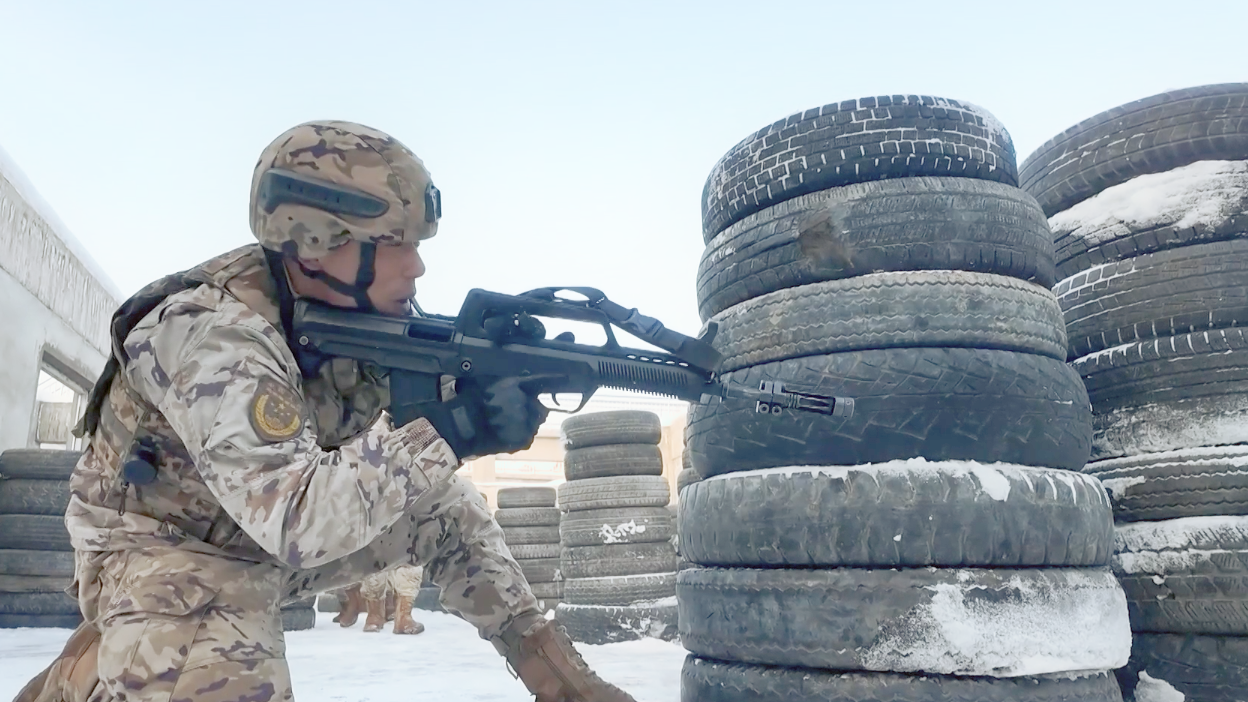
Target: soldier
(404, 582)
(223, 478)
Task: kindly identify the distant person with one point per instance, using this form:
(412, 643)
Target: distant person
(403, 583)
(224, 476)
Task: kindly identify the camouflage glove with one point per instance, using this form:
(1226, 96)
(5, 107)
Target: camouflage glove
(500, 417)
(553, 671)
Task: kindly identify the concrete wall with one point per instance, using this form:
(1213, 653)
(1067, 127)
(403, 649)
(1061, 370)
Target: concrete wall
(54, 305)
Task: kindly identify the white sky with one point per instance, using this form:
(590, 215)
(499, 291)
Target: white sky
(570, 140)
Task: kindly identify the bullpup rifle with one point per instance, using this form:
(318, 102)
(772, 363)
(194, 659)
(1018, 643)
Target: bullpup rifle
(498, 336)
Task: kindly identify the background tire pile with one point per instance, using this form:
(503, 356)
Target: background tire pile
(1148, 203)
(530, 523)
(617, 557)
(36, 558)
(880, 249)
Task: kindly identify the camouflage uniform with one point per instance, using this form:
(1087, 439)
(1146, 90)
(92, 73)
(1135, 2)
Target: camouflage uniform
(269, 488)
(273, 482)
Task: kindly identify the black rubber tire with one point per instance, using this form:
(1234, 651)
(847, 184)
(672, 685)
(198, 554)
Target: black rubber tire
(1205, 482)
(1187, 577)
(34, 533)
(1177, 392)
(623, 525)
(1198, 204)
(608, 493)
(40, 621)
(854, 141)
(906, 224)
(428, 599)
(593, 624)
(686, 477)
(620, 591)
(901, 515)
(612, 459)
(539, 570)
(942, 404)
(1190, 289)
(37, 603)
(1152, 135)
(34, 583)
(521, 551)
(27, 496)
(527, 516)
(298, 619)
(29, 562)
(1202, 668)
(327, 602)
(519, 535)
(906, 621)
(615, 427)
(617, 559)
(547, 590)
(38, 464)
(892, 310)
(513, 497)
(708, 680)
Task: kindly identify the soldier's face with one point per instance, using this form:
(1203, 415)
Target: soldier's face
(395, 272)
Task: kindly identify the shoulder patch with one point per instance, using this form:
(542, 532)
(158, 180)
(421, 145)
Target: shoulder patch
(276, 411)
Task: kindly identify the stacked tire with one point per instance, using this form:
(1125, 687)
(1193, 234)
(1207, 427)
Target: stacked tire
(1148, 203)
(299, 615)
(617, 557)
(530, 523)
(939, 543)
(36, 557)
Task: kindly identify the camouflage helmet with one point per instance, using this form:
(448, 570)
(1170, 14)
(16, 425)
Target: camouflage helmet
(322, 184)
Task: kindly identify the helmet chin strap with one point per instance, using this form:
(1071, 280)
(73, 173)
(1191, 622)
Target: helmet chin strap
(358, 290)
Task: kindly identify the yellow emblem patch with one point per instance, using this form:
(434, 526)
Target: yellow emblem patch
(276, 411)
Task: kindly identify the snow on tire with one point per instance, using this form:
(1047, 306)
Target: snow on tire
(617, 559)
(38, 464)
(526, 497)
(1185, 575)
(854, 141)
(906, 224)
(941, 403)
(1200, 482)
(621, 491)
(616, 427)
(612, 459)
(950, 621)
(621, 525)
(1200, 668)
(903, 514)
(1177, 392)
(1189, 289)
(707, 680)
(1197, 204)
(892, 310)
(620, 590)
(1152, 135)
(594, 624)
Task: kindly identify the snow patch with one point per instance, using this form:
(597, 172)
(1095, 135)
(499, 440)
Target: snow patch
(1179, 534)
(995, 479)
(1203, 193)
(1229, 456)
(620, 533)
(991, 123)
(1080, 626)
(1150, 689)
(1155, 428)
(1118, 486)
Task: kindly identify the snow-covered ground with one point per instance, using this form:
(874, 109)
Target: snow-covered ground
(447, 662)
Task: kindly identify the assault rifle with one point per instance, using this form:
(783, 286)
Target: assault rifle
(500, 336)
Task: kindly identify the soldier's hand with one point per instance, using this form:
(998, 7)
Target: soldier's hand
(513, 414)
(484, 417)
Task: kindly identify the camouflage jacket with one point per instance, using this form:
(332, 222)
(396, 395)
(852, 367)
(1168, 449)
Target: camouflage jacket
(254, 462)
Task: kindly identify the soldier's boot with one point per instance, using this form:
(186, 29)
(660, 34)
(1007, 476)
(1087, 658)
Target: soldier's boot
(553, 671)
(376, 618)
(390, 605)
(350, 602)
(403, 622)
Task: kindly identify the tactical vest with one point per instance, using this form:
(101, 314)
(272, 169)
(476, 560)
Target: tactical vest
(345, 397)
